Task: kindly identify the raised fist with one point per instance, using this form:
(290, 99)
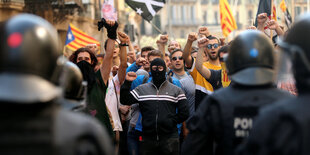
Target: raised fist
(131, 76)
(123, 38)
(272, 24)
(261, 18)
(203, 42)
(163, 39)
(192, 37)
(204, 31)
(140, 61)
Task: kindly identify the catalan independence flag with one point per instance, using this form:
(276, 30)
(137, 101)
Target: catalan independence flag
(77, 38)
(228, 22)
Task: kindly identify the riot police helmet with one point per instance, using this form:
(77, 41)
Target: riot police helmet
(29, 48)
(251, 59)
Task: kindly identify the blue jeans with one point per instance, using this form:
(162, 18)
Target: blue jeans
(133, 141)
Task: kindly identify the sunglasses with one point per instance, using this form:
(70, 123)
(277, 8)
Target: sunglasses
(116, 46)
(214, 45)
(176, 58)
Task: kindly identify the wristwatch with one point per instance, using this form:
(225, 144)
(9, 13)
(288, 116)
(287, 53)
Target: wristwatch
(125, 44)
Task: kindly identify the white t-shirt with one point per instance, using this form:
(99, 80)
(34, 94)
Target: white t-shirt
(113, 103)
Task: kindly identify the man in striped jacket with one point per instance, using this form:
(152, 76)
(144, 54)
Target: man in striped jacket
(162, 104)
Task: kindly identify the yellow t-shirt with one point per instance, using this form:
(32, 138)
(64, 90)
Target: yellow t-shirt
(203, 87)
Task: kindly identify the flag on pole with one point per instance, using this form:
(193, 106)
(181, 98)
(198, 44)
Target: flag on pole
(287, 15)
(146, 8)
(77, 38)
(108, 11)
(228, 22)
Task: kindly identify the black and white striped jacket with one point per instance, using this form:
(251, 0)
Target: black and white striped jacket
(161, 108)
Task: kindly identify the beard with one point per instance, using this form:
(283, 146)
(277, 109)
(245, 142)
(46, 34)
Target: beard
(212, 57)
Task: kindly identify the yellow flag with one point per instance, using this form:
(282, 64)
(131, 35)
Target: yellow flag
(228, 22)
(283, 6)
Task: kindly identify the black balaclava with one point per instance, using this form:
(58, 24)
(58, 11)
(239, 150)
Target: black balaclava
(158, 76)
(88, 73)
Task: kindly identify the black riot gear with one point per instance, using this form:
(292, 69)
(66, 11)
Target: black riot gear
(28, 46)
(283, 128)
(225, 118)
(251, 59)
(296, 45)
(32, 120)
(74, 88)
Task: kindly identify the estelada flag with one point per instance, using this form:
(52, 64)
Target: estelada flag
(77, 38)
(228, 22)
(146, 8)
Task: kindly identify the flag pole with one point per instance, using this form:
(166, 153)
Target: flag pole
(271, 14)
(156, 27)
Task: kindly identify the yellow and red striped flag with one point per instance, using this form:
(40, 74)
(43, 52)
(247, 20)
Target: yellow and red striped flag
(228, 22)
(76, 38)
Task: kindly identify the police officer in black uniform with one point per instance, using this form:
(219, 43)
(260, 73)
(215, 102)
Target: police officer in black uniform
(283, 128)
(32, 120)
(225, 118)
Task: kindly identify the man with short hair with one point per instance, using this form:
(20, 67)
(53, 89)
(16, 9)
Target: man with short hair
(203, 87)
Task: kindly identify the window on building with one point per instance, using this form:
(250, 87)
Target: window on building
(205, 17)
(250, 14)
(297, 11)
(215, 1)
(183, 11)
(182, 34)
(216, 18)
(237, 17)
(193, 14)
(204, 1)
(142, 28)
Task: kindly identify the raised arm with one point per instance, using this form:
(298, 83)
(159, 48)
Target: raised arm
(126, 96)
(105, 68)
(161, 43)
(273, 25)
(123, 56)
(261, 19)
(204, 71)
(187, 49)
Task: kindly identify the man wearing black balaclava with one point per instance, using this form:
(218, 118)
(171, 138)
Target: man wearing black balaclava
(158, 71)
(158, 102)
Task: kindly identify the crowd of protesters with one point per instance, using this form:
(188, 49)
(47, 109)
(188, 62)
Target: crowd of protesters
(192, 100)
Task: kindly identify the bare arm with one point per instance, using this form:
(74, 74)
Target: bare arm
(106, 65)
(187, 49)
(123, 57)
(204, 71)
(161, 43)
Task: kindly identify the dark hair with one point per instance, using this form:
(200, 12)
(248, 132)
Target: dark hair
(147, 48)
(174, 51)
(73, 57)
(106, 44)
(212, 38)
(155, 53)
